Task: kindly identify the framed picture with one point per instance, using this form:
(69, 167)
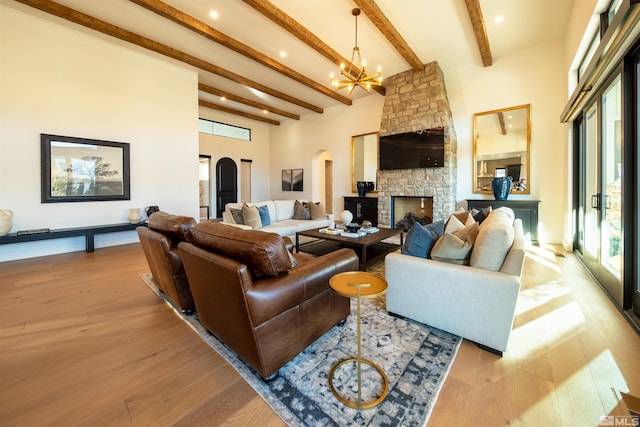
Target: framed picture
(287, 180)
(83, 170)
(297, 182)
(501, 172)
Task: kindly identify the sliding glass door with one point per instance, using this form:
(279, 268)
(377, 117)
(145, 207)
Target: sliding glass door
(601, 233)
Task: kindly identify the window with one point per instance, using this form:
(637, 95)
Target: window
(222, 129)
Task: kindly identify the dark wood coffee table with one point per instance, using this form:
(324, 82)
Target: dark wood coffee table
(360, 244)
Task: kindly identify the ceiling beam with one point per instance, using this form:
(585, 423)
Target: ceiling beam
(375, 14)
(223, 94)
(213, 106)
(80, 18)
(480, 31)
(214, 35)
(503, 128)
(287, 23)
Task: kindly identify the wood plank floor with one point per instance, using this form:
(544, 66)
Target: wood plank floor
(84, 342)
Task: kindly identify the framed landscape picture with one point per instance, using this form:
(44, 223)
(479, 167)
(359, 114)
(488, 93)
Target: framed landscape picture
(297, 182)
(83, 170)
(286, 179)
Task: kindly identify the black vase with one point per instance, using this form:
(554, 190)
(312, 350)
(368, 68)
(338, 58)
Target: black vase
(362, 188)
(501, 187)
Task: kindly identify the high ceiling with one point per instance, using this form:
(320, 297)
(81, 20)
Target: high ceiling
(434, 30)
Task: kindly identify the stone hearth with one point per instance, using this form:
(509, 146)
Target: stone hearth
(415, 101)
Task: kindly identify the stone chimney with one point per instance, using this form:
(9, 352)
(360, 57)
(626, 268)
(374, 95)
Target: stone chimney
(418, 100)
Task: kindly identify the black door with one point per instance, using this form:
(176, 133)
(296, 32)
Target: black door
(226, 184)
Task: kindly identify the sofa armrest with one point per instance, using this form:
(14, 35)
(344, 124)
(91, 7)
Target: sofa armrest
(474, 303)
(297, 285)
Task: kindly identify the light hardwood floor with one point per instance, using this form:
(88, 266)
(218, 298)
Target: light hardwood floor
(84, 342)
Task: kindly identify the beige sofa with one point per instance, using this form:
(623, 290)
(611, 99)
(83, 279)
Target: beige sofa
(281, 217)
(476, 301)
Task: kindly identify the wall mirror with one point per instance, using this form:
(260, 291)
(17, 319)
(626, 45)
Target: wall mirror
(501, 144)
(364, 159)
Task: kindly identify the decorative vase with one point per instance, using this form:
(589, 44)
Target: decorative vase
(6, 221)
(346, 217)
(134, 215)
(362, 188)
(501, 187)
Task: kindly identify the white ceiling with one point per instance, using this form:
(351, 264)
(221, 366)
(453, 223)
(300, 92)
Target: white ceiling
(436, 30)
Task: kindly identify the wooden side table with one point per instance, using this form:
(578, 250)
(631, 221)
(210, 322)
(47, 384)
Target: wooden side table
(358, 284)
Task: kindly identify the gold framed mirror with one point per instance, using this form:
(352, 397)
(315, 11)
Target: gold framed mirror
(501, 146)
(364, 159)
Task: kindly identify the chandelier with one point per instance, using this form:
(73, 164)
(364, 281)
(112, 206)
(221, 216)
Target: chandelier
(355, 74)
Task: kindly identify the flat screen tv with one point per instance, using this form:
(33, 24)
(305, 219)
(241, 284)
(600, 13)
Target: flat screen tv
(412, 150)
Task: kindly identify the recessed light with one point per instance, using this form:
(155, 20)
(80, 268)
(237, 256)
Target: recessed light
(499, 19)
(222, 98)
(283, 54)
(265, 112)
(213, 14)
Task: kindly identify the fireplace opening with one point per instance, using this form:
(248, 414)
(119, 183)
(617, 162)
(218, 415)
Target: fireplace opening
(406, 211)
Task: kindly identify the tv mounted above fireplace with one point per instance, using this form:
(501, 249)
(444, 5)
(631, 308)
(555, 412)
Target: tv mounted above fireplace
(412, 150)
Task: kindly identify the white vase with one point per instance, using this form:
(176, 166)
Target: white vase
(134, 215)
(346, 217)
(6, 221)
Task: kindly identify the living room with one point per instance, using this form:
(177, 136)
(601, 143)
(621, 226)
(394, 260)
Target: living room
(61, 80)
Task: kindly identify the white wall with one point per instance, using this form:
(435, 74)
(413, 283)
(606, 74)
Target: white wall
(256, 150)
(295, 143)
(60, 80)
(530, 76)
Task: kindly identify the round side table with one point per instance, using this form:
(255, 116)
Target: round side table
(359, 284)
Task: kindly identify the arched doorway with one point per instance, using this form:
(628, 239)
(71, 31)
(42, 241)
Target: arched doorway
(226, 184)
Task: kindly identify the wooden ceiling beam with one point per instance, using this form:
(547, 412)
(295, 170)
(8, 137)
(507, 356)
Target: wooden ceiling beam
(229, 110)
(88, 21)
(480, 31)
(223, 94)
(289, 24)
(375, 14)
(216, 36)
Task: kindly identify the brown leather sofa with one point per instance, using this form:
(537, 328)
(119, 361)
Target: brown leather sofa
(160, 245)
(263, 302)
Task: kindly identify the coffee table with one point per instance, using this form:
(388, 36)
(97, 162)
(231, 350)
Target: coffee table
(360, 244)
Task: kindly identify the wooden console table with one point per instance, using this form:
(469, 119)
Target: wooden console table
(88, 233)
(526, 210)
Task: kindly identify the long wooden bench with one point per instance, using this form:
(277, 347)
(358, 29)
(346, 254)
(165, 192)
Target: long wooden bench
(88, 232)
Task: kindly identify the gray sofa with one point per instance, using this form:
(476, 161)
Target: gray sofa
(472, 301)
(281, 217)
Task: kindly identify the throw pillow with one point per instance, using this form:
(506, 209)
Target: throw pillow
(456, 247)
(301, 210)
(317, 211)
(251, 216)
(494, 241)
(482, 214)
(237, 215)
(453, 224)
(420, 239)
(265, 218)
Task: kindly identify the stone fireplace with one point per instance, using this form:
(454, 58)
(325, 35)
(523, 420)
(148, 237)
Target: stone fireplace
(417, 101)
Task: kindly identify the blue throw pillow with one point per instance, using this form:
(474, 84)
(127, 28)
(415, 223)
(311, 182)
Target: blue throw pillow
(420, 239)
(264, 215)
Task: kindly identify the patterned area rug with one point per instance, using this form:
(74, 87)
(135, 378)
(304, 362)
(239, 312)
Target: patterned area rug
(415, 358)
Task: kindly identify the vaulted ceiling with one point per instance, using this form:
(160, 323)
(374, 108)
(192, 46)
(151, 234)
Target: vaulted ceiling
(238, 52)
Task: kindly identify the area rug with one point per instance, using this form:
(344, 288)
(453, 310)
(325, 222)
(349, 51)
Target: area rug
(415, 358)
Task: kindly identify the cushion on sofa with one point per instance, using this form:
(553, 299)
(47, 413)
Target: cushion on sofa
(265, 254)
(265, 217)
(284, 209)
(301, 210)
(456, 247)
(317, 211)
(236, 214)
(494, 240)
(420, 239)
(251, 216)
(175, 227)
